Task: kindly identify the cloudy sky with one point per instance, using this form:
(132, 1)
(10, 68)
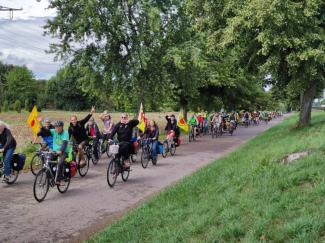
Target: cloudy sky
(21, 39)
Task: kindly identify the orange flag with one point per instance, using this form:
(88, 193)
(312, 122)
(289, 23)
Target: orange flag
(181, 123)
(33, 122)
(141, 119)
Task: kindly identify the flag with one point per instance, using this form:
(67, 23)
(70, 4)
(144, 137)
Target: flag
(181, 123)
(141, 119)
(33, 122)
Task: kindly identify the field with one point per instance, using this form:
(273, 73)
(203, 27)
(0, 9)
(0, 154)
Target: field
(248, 196)
(23, 133)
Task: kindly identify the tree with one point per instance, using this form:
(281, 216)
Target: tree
(65, 93)
(4, 69)
(17, 106)
(121, 43)
(20, 85)
(283, 39)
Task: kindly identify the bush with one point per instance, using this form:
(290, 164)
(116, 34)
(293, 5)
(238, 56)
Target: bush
(5, 106)
(17, 106)
(26, 105)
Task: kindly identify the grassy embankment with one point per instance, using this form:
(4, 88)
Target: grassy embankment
(248, 196)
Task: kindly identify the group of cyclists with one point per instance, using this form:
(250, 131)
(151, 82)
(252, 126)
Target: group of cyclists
(58, 139)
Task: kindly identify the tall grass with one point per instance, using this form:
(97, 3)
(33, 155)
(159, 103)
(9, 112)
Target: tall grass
(248, 196)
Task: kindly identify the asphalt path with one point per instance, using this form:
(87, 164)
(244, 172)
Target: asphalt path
(90, 204)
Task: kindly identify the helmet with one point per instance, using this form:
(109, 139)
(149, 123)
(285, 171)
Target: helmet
(58, 124)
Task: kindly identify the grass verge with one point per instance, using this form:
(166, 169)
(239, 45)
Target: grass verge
(248, 196)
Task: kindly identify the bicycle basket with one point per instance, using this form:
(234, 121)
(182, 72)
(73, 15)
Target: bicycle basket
(113, 149)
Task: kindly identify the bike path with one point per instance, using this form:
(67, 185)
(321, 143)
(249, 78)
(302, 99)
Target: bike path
(90, 204)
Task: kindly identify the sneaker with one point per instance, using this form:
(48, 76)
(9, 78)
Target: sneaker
(82, 163)
(126, 164)
(5, 179)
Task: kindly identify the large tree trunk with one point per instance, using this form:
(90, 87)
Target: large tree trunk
(306, 102)
(184, 108)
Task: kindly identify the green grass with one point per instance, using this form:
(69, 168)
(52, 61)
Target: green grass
(248, 196)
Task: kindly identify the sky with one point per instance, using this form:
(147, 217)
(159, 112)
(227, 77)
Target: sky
(21, 39)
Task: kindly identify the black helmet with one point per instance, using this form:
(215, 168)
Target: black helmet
(58, 124)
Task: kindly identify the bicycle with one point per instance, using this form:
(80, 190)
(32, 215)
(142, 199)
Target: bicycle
(16, 167)
(104, 146)
(91, 148)
(214, 130)
(45, 178)
(115, 166)
(37, 161)
(169, 146)
(191, 134)
(230, 126)
(146, 153)
(83, 170)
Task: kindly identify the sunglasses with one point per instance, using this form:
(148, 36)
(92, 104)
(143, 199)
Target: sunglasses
(124, 117)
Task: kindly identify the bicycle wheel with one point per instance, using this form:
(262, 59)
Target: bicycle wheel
(41, 185)
(134, 157)
(83, 170)
(107, 151)
(172, 149)
(99, 149)
(125, 174)
(145, 157)
(92, 155)
(63, 188)
(89, 155)
(112, 173)
(36, 164)
(166, 149)
(13, 177)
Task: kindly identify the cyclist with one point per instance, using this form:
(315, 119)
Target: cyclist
(200, 119)
(232, 119)
(60, 147)
(152, 132)
(94, 133)
(108, 124)
(246, 117)
(7, 146)
(193, 123)
(78, 133)
(45, 133)
(237, 118)
(205, 122)
(172, 129)
(124, 130)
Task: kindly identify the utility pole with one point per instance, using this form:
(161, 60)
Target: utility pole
(10, 10)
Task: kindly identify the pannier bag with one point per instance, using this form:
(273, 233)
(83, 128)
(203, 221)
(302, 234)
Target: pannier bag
(18, 162)
(73, 168)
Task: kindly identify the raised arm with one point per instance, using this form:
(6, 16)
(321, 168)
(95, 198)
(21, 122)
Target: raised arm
(133, 123)
(86, 119)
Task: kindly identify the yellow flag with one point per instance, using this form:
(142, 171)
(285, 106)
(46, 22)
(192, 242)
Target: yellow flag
(181, 123)
(141, 125)
(33, 122)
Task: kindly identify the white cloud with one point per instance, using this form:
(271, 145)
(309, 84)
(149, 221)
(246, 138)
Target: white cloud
(22, 43)
(21, 39)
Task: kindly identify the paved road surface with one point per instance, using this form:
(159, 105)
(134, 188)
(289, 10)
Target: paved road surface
(90, 204)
